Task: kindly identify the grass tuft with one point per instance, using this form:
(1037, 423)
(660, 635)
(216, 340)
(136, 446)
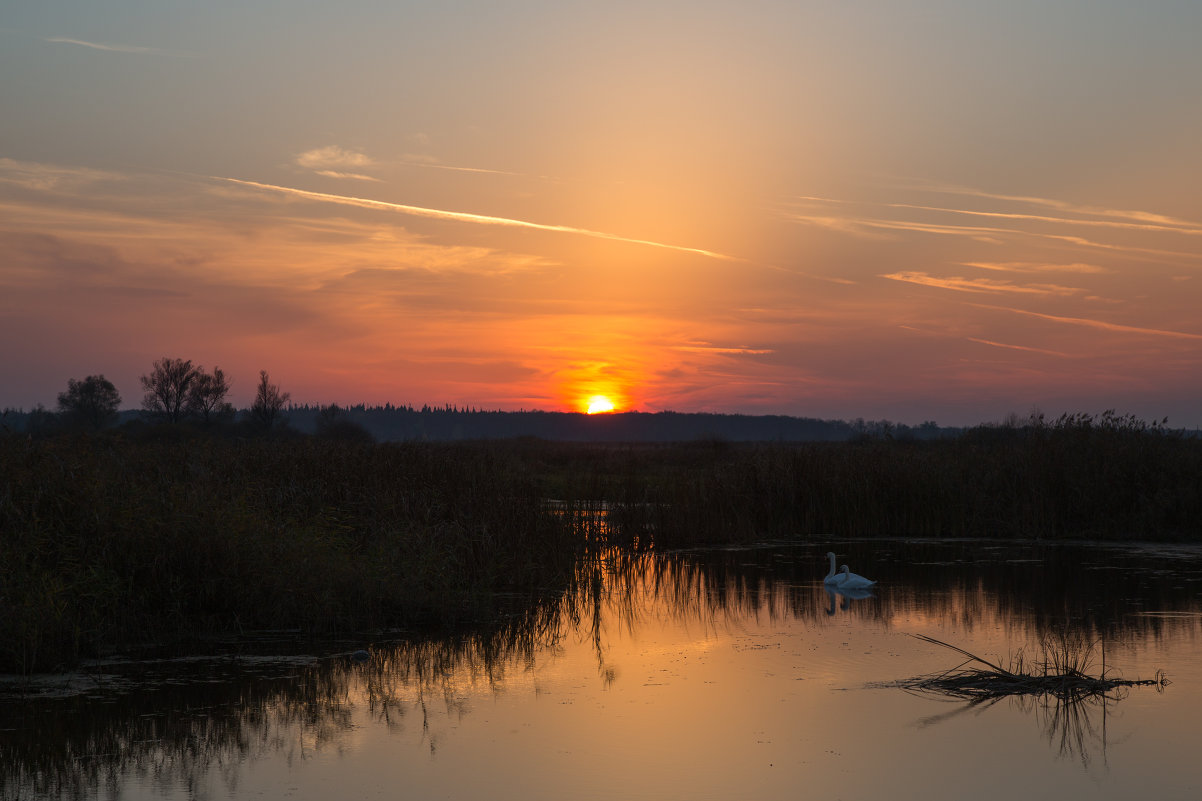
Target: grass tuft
(1062, 669)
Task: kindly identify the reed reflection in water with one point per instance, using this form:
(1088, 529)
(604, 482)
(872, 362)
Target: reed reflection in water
(686, 674)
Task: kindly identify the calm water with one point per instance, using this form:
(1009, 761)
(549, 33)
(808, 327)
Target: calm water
(723, 675)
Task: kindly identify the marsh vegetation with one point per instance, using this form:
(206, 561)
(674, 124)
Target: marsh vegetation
(109, 540)
(172, 532)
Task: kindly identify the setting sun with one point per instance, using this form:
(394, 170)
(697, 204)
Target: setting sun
(599, 403)
(645, 227)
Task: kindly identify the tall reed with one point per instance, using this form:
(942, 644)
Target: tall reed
(1059, 482)
(107, 540)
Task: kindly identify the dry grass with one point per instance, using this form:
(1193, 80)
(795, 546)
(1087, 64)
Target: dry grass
(1068, 687)
(1062, 670)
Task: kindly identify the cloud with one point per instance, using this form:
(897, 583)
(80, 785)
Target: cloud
(459, 216)
(117, 48)
(1044, 351)
(333, 161)
(357, 176)
(431, 162)
(1060, 205)
(1170, 255)
(337, 162)
(1100, 324)
(1037, 267)
(33, 175)
(1177, 227)
(960, 284)
(856, 225)
(332, 156)
(705, 347)
(870, 227)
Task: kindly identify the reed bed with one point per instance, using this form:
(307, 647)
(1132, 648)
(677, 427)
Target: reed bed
(1078, 478)
(107, 540)
(114, 537)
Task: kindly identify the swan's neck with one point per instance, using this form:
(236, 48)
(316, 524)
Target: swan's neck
(828, 575)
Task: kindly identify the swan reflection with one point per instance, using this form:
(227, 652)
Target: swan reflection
(847, 594)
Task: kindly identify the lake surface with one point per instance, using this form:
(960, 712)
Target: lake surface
(693, 675)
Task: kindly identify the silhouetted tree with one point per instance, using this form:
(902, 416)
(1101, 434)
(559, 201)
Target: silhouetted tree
(206, 397)
(332, 423)
(42, 423)
(91, 403)
(268, 402)
(169, 388)
(328, 416)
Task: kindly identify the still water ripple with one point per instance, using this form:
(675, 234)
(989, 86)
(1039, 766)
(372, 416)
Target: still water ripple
(722, 674)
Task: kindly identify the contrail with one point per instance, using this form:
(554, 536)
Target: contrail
(460, 216)
(1139, 216)
(1131, 329)
(991, 343)
(1178, 228)
(117, 48)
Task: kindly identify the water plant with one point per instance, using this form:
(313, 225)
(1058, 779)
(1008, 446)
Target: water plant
(1066, 683)
(1062, 669)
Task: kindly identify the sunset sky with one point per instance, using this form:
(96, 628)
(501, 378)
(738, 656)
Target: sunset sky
(917, 211)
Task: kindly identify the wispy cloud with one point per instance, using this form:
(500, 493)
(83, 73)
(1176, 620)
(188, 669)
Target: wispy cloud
(480, 219)
(117, 48)
(34, 175)
(333, 161)
(1177, 227)
(357, 176)
(705, 347)
(858, 226)
(1149, 254)
(338, 162)
(1026, 348)
(421, 160)
(1099, 324)
(872, 226)
(1064, 206)
(1037, 267)
(960, 284)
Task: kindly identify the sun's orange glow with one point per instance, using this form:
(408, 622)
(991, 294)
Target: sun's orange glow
(598, 404)
(644, 229)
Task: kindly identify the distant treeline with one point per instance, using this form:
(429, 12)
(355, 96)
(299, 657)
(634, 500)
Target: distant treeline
(391, 423)
(398, 423)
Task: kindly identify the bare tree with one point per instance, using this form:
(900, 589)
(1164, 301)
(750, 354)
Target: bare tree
(169, 387)
(91, 403)
(206, 397)
(269, 401)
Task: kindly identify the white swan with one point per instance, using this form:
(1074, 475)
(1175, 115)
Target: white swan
(831, 577)
(852, 581)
